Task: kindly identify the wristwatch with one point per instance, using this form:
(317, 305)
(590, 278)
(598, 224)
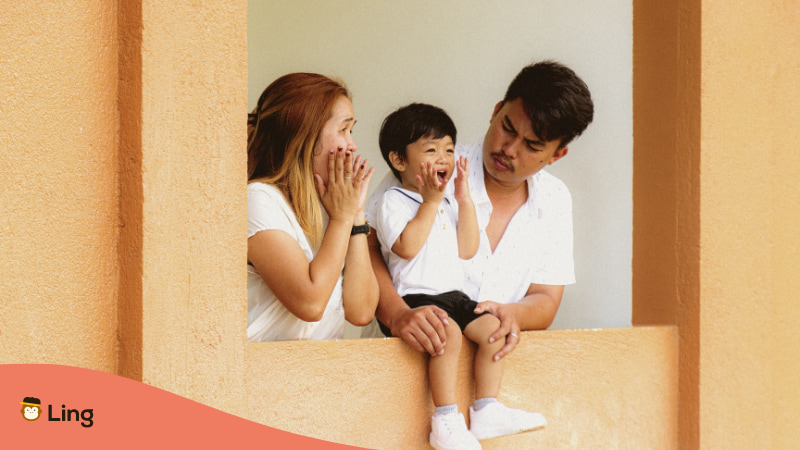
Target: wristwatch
(360, 229)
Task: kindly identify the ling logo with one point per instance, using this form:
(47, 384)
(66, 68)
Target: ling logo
(31, 408)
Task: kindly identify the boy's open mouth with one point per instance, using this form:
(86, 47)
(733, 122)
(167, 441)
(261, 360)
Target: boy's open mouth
(441, 175)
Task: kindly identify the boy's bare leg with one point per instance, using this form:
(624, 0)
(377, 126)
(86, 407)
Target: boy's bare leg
(443, 369)
(488, 373)
(448, 425)
(490, 418)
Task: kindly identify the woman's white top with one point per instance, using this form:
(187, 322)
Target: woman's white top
(267, 318)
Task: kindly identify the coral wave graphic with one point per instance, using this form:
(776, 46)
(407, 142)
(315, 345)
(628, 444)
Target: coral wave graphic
(124, 414)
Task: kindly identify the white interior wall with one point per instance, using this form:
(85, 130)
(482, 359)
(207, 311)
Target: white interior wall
(461, 56)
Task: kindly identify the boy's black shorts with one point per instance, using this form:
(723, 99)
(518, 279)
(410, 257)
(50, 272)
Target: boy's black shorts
(456, 304)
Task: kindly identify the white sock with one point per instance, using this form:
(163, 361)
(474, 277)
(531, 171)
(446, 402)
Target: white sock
(446, 409)
(481, 402)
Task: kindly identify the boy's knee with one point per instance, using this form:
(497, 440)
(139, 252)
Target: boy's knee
(485, 326)
(453, 334)
(491, 322)
(453, 329)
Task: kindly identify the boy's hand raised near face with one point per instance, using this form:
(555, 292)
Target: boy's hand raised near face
(461, 181)
(428, 184)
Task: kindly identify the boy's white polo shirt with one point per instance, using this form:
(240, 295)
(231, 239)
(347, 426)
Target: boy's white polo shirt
(436, 268)
(536, 247)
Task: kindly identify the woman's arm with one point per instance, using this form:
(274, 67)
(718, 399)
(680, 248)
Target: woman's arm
(304, 287)
(359, 287)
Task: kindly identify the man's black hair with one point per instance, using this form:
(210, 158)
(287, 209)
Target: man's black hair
(409, 123)
(555, 99)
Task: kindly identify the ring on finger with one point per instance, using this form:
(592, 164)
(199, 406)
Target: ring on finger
(348, 178)
(515, 335)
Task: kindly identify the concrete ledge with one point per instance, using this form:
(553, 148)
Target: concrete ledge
(610, 388)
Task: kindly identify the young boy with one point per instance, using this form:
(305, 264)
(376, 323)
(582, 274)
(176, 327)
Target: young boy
(424, 231)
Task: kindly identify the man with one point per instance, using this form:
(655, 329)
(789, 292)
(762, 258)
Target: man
(524, 214)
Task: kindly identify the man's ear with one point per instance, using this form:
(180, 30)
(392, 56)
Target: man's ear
(560, 153)
(397, 162)
(497, 108)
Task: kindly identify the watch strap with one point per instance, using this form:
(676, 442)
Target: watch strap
(360, 229)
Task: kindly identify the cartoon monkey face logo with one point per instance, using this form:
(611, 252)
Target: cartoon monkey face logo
(31, 412)
(31, 408)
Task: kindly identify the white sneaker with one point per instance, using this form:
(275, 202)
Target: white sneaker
(449, 432)
(497, 419)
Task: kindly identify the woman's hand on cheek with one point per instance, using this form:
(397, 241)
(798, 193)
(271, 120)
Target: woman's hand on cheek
(340, 197)
(361, 179)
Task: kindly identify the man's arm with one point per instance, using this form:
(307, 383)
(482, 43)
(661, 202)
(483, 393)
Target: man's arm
(421, 328)
(535, 311)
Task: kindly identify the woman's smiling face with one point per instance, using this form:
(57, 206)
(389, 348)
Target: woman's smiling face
(337, 133)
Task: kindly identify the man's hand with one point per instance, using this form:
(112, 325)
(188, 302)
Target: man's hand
(422, 328)
(509, 328)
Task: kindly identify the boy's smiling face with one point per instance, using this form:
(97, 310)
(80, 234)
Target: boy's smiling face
(439, 152)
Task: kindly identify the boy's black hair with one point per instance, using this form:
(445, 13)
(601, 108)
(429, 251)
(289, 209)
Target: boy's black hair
(555, 99)
(409, 123)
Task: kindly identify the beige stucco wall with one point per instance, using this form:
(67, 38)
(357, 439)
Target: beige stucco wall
(122, 143)
(58, 221)
(599, 389)
(122, 242)
(193, 178)
(666, 179)
(129, 163)
(750, 211)
(715, 211)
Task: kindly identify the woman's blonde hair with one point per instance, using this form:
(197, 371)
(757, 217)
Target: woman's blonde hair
(281, 134)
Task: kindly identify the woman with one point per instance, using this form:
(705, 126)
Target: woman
(308, 263)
